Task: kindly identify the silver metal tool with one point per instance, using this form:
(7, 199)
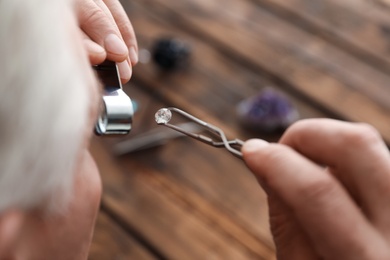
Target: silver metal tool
(117, 109)
(164, 115)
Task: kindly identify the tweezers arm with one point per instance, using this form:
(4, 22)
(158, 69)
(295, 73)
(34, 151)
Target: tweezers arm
(234, 146)
(199, 137)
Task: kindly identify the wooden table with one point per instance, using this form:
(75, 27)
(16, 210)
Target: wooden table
(186, 200)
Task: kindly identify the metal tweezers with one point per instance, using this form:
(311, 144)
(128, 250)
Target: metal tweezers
(233, 146)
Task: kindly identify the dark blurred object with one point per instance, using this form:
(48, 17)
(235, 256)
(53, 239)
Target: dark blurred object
(171, 53)
(268, 111)
(155, 137)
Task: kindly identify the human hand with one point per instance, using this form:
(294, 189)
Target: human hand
(108, 33)
(341, 211)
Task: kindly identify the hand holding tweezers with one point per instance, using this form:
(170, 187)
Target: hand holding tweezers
(164, 115)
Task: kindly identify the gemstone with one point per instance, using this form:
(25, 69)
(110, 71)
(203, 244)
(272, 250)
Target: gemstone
(163, 116)
(267, 111)
(170, 53)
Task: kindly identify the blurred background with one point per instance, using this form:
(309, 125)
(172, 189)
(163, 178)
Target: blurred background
(250, 67)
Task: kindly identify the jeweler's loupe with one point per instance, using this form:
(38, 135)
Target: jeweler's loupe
(117, 109)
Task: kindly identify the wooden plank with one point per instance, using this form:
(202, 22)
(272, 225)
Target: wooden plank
(213, 84)
(198, 168)
(305, 63)
(218, 200)
(111, 242)
(361, 27)
(210, 88)
(191, 201)
(172, 227)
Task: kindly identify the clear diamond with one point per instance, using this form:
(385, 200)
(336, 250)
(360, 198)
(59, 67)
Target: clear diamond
(163, 116)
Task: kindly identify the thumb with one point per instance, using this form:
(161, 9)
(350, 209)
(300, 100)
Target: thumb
(252, 154)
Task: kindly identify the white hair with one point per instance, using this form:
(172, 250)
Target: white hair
(43, 103)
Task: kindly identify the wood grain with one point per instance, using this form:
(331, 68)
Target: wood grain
(186, 200)
(359, 27)
(111, 242)
(212, 85)
(334, 79)
(172, 225)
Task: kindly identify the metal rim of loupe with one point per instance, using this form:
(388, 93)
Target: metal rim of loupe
(116, 115)
(101, 125)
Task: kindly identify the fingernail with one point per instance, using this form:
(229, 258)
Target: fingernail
(254, 145)
(115, 45)
(124, 70)
(133, 55)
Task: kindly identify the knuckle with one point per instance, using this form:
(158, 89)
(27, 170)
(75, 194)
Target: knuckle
(298, 126)
(124, 24)
(299, 129)
(93, 16)
(126, 30)
(362, 135)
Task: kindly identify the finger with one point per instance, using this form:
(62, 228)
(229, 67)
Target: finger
(357, 156)
(290, 240)
(96, 53)
(322, 207)
(98, 23)
(101, 29)
(125, 27)
(125, 67)
(125, 71)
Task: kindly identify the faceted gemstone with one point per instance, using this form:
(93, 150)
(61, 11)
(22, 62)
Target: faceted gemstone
(268, 111)
(163, 116)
